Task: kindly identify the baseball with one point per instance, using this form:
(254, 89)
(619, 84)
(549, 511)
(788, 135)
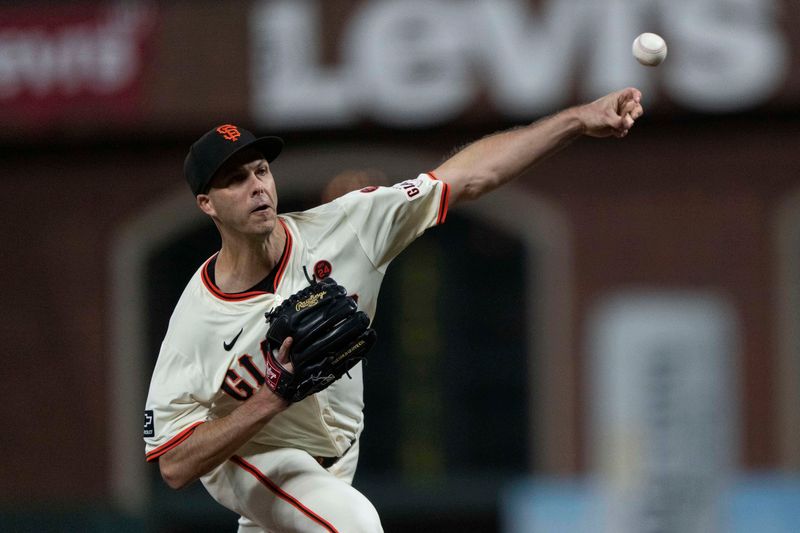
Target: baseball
(649, 49)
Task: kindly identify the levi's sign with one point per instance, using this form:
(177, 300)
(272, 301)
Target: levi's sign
(424, 62)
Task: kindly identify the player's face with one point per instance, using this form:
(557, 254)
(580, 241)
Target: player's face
(242, 196)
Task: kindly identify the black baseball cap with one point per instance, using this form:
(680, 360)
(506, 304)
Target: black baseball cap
(211, 151)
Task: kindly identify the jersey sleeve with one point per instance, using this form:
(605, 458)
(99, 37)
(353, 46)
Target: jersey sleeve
(388, 219)
(171, 412)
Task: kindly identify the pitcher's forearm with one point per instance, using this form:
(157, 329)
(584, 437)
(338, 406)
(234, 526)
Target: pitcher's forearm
(492, 161)
(495, 160)
(215, 441)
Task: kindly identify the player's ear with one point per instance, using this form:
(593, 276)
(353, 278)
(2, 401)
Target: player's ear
(206, 205)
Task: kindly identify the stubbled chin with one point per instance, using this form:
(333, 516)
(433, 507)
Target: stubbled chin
(264, 224)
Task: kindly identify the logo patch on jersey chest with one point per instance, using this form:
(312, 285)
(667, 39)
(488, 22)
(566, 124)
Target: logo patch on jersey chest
(322, 269)
(228, 345)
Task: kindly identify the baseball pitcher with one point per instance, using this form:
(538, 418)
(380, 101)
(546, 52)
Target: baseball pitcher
(257, 390)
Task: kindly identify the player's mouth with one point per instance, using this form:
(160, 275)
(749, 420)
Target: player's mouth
(260, 208)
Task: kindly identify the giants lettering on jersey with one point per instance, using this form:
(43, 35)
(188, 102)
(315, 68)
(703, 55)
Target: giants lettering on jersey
(244, 376)
(235, 385)
(411, 188)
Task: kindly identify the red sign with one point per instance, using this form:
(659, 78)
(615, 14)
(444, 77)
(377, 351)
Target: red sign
(73, 61)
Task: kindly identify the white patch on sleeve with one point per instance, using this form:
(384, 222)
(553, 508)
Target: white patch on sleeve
(410, 187)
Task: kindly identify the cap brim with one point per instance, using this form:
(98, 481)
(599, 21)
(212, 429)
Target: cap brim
(269, 146)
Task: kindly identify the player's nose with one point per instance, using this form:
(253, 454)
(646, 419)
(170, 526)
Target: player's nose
(257, 186)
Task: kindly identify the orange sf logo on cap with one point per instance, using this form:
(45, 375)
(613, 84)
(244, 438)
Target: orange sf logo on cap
(229, 131)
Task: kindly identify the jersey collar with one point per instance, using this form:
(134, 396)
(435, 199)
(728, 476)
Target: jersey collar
(266, 286)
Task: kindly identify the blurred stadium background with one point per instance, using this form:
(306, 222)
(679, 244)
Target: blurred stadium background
(612, 343)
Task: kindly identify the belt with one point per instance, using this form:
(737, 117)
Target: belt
(327, 462)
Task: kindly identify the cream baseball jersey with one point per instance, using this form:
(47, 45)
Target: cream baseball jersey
(212, 356)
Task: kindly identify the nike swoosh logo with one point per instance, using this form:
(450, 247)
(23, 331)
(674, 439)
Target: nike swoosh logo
(229, 345)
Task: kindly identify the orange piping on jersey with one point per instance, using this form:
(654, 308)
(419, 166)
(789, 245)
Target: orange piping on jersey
(154, 454)
(286, 255)
(444, 201)
(213, 289)
(264, 480)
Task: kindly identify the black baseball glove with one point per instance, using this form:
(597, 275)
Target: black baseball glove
(329, 336)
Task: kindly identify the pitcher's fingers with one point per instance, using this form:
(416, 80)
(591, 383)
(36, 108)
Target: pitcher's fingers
(629, 107)
(627, 121)
(283, 353)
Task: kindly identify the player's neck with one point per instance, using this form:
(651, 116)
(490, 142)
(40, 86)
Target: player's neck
(243, 262)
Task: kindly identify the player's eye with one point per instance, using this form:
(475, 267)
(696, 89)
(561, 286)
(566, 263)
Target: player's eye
(236, 178)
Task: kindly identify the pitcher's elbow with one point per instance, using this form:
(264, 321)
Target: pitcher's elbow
(476, 188)
(171, 477)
